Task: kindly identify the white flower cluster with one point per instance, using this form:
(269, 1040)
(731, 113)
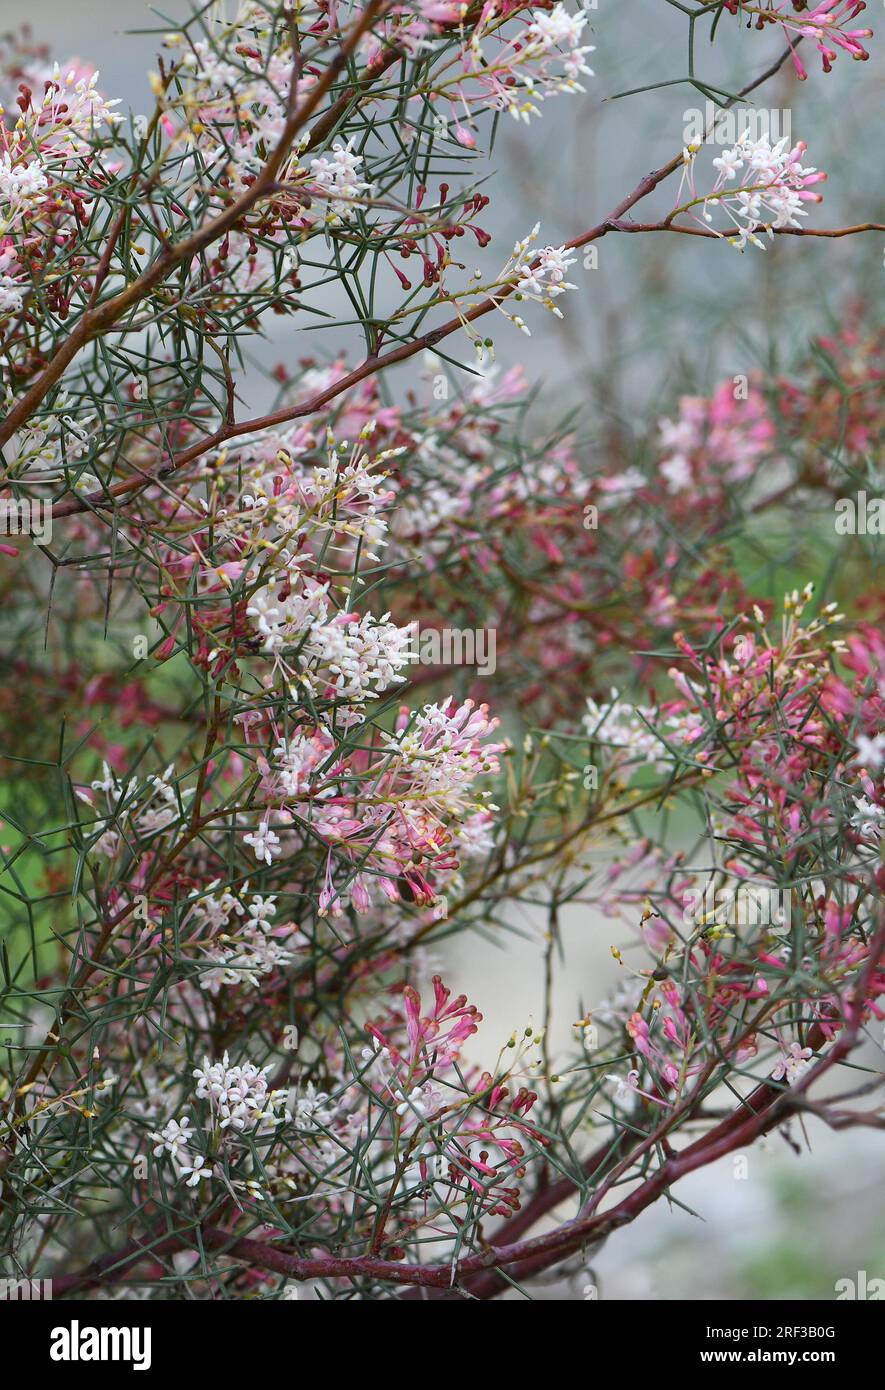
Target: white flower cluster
(174, 1139)
(359, 655)
(85, 108)
(243, 958)
(238, 1095)
(36, 449)
(20, 184)
(771, 191)
(337, 176)
(441, 752)
(792, 1064)
(310, 1108)
(870, 750)
(296, 759)
(58, 125)
(161, 806)
(342, 498)
(239, 1099)
(868, 819)
(149, 808)
(421, 1102)
(265, 842)
(65, 112)
(539, 275)
(543, 58)
(214, 910)
(251, 93)
(556, 32)
(364, 655)
(10, 290)
(678, 439)
(624, 726)
(283, 620)
(447, 481)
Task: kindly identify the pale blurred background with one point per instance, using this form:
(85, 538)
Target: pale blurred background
(660, 314)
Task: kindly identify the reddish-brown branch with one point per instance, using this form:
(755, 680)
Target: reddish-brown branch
(627, 225)
(480, 1275)
(378, 362)
(98, 319)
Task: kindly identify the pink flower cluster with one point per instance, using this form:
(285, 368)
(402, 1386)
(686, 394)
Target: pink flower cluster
(396, 821)
(822, 22)
(760, 186)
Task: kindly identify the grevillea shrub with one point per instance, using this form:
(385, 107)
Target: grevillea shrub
(294, 697)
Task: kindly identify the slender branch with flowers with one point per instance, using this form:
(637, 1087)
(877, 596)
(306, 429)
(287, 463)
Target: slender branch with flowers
(249, 811)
